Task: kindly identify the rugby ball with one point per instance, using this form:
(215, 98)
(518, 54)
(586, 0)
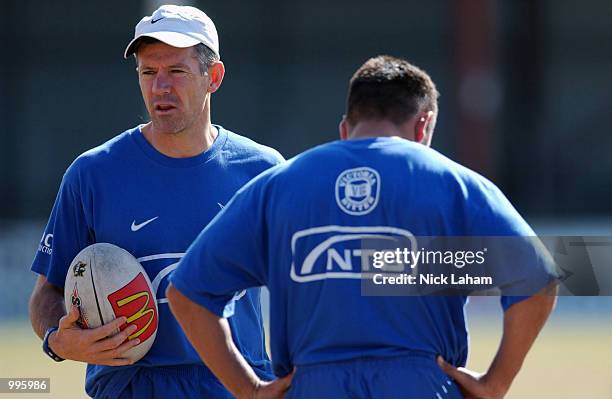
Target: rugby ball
(106, 282)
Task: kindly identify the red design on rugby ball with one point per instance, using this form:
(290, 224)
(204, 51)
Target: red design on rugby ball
(75, 299)
(136, 302)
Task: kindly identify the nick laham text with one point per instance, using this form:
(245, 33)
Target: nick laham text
(430, 279)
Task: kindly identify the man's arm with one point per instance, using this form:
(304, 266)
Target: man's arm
(211, 337)
(69, 341)
(46, 306)
(522, 324)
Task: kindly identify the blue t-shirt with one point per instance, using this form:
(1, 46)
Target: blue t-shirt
(298, 223)
(126, 193)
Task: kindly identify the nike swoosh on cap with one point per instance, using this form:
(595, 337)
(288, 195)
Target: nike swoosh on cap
(136, 227)
(158, 19)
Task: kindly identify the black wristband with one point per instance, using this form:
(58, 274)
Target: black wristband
(47, 348)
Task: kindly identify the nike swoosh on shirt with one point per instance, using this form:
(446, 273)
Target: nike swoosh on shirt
(136, 227)
(220, 205)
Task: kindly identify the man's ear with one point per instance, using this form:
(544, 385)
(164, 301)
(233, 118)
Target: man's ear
(343, 128)
(421, 128)
(216, 72)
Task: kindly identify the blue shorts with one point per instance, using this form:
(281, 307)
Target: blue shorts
(416, 376)
(185, 381)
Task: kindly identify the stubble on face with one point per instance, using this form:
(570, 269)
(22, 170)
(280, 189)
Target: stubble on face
(173, 123)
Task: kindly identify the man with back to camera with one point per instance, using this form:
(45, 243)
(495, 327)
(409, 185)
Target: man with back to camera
(151, 190)
(341, 343)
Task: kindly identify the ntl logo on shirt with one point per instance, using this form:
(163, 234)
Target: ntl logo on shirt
(327, 252)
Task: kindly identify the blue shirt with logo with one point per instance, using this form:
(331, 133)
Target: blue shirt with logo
(126, 193)
(297, 228)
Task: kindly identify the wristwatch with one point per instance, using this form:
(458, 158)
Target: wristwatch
(47, 348)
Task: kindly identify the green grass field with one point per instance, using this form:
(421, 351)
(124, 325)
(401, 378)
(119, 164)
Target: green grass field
(572, 359)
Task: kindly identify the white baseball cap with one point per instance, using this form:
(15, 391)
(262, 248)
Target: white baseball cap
(177, 26)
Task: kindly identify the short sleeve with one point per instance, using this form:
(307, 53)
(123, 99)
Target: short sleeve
(229, 255)
(277, 158)
(523, 260)
(66, 233)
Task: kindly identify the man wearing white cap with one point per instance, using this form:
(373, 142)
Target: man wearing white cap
(151, 190)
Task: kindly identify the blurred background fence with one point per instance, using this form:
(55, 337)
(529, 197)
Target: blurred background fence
(525, 85)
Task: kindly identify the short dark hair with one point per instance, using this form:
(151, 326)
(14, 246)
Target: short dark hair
(389, 88)
(206, 57)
